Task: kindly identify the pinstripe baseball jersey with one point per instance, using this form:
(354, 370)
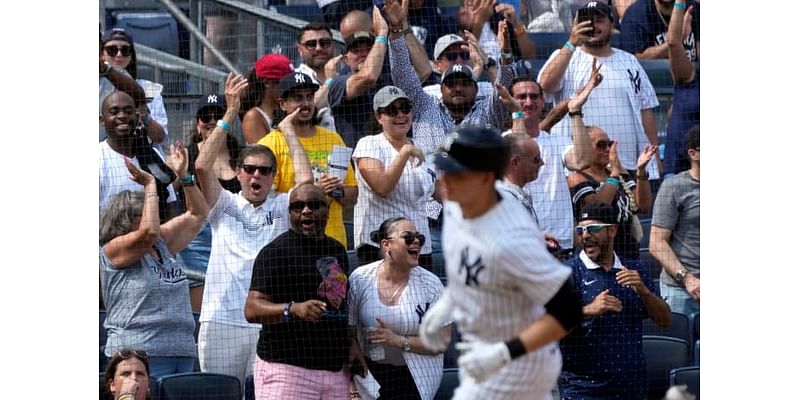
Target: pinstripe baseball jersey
(501, 275)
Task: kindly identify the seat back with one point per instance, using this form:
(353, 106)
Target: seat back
(689, 376)
(158, 30)
(199, 385)
(663, 354)
(448, 385)
(678, 329)
(249, 388)
(697, 352)
(103, 332)
(696, 326)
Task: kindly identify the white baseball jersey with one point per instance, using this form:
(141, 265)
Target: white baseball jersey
(501, 275)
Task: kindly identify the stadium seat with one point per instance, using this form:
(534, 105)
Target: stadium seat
(689, 376)
(309, 12)
(438, 266)
(663, 354)
(448, 385)
(696, 326)
(697, 352)
(158, 30)
(104, 395)
(659, 75)
(249, 388)
(199, 385)
(103, 333)
(649, 263)
(679, 328)
(352, 259)
(645, 221)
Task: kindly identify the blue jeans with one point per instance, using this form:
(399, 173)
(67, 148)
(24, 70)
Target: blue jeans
(679, 299)
(161, 366)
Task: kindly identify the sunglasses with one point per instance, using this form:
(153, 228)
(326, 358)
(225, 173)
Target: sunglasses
(251, 169)
(300, 205)
(453, 55)
(207, 117)
(126, 354)
(603, 144)
(401, 107)
(591, 228)
(409, 238)
(312, 44)
(113, 50)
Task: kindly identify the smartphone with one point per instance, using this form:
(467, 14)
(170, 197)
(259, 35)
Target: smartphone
(585, 15)
(514, 3)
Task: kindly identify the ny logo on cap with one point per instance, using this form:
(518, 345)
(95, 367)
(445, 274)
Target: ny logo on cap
(394, 91)
(591, 4)
(299, 78)
(457, 68)
(212, 98)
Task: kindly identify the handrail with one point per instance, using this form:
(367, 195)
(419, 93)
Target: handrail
(168, 62)
(274, 16)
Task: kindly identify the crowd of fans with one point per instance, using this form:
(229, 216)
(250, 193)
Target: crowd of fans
(252, 234)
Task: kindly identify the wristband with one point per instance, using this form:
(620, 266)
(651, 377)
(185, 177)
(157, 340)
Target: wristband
(187, 180)
(382, 39)
(328, 81)
(504, 54)
(679, 6)
(578, 113)
(286, 316)
(569, 46)
(612, 181)
(224, 125)
(518, 115)
(519, 31)
(126, 396)
(515, 348)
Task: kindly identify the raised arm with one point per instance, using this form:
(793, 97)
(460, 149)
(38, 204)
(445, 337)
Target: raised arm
(526, 47)
(553, 71)
(680, 27)
(179, 231)
(366, 77)
(517, 124)
(581, 154)
(234, 85)
(504, 77)
(397, 18)
(122, 251)
(643, 194)
(123, 82)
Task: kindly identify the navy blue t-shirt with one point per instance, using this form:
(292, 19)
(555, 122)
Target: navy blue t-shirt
(603, 355)
(642, 27)
(685, 114)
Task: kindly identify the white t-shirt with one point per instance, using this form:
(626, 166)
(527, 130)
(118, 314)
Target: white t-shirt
(501, 275)
(364, 306)
(239, 232)
(614, 106)
(550, 192)
(407, 199)
(114, 176)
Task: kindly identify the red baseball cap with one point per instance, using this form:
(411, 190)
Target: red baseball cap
(273, 66)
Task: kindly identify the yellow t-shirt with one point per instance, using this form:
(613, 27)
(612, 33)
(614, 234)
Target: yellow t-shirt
(317, 148)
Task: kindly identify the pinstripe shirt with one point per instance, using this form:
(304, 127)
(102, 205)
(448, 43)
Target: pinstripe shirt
(432, 119)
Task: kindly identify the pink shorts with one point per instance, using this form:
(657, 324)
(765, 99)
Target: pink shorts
(284, 381)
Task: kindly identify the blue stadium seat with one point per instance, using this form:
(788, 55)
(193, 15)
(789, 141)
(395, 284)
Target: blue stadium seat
(659, 75)
(448, 385)
(645, 221)
(104, 395)
(696, 326)
(697, 352)
(547, 42)
(199, 385)
(249, 388)
(689, 376)
(663, 354)
(158, 30)
(310, 13)
(649, 263)
(679, 329)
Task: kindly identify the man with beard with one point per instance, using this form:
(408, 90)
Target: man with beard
(241, 224)
(603, 356)
(299, 295)
(623, 105)
(297, 101)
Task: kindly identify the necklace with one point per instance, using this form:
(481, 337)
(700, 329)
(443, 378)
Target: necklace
(394, 295)
(666, 24)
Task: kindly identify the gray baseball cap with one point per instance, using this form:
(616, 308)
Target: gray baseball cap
(444, 42)
(386, 96)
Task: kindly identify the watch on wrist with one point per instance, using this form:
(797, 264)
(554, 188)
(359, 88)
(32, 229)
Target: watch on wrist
(578, 113)
(407, 344)
(187, 180)
(681, 275)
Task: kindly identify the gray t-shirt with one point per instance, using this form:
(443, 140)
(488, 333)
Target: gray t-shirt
(677, 208)
(148, 306)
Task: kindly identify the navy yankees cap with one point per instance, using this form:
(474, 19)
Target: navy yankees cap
(458, 70)
(295, 80)
(599, 7)
(212, 100)
(598, 212)
(472, 148)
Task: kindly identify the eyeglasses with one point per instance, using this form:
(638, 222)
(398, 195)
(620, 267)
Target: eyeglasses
(127, 353)
(312, 44)
(453, 55)
(313, 205)
(603, 144)
(113, 50)
(591, 228)
(403, 107)
(251, 169)
(208, 116)
(409, 238)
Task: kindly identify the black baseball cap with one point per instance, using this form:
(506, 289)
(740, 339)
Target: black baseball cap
(212, 100)
(599, 7)
(472, 148)
(294, 81)
(602, 212)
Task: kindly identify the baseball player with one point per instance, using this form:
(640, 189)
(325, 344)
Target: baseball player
(511, 300)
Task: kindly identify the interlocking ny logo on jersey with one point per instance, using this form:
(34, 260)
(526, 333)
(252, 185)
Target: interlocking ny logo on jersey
(421, 311)
(636, 80)
(473, 268)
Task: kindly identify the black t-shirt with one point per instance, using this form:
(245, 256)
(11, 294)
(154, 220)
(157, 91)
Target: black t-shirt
(297, 268)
